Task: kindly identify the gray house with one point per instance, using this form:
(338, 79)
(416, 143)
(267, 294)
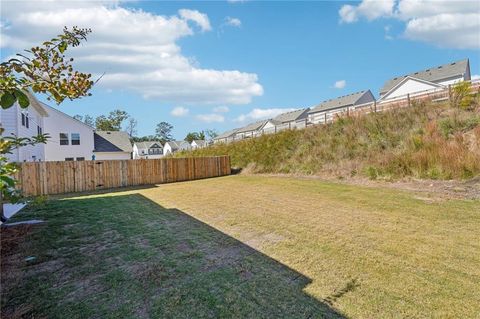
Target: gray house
(435, 78)
(225, 137)
(112, 145)
(251, 130)
(293, 119)
(325, 111)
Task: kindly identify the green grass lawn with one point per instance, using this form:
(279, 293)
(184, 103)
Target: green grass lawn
(246, 247)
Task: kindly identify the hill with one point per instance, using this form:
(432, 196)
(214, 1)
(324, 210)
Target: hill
(428, 140)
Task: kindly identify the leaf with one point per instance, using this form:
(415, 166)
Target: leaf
(7, 100)
(62, 46)
(7, 180)
(22, 99)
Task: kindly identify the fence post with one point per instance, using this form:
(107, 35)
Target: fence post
(450, 93)
(408, 99)
(375, 106)
(325, 117)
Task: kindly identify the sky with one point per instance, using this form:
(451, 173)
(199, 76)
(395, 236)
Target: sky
(223, 64)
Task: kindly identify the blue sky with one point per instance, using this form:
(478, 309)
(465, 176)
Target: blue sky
(221, 65)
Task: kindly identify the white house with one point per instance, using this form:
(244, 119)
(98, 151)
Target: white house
(70, 139)
(436, 78)
(198, 144)
(112, 145)
(171, 147)
(147, 149)
(25, 122)
(325, 111)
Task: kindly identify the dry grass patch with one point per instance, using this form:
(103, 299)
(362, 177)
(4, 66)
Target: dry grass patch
(251, 246)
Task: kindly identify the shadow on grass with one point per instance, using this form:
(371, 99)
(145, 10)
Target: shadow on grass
(127, 257)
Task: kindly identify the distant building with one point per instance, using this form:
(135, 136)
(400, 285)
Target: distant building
(225, 137)
(171, 147)
(198, 144)
(112, 145)
(147, 150)
(325, 111)
(435, 78)
(251, 130)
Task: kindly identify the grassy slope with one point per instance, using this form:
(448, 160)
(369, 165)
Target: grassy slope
(320, 249)
(425, 141)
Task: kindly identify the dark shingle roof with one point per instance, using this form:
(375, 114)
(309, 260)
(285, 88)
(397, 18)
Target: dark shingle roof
(432, 75)
(338, 102)
(291, 116)
(112, 141)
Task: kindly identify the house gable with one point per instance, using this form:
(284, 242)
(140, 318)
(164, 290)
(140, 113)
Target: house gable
(410, 85)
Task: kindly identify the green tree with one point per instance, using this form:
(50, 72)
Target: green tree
(191, 136)
(42, 69)
(112, 122)
(164, 132)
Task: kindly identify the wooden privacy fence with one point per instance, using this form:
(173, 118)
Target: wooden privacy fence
(44, 178)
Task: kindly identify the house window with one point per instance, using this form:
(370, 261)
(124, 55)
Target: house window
(68, 159)
(26, 121)
(39, 130)
(23, 119)
(80, 158)
(63, 139)
(75, 139)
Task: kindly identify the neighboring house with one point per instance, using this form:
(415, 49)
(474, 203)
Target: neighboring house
(147, 149)
(325, 111)
(225, 137)
(171, 147)
(253, 129)
(70, 139)
(290, 120)
(25, 122)
(436, 78)
(112, 145)
(184, 146)
(198, 144)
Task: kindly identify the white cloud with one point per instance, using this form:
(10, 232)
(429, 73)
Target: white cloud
(210, 118)
(445, 23)
(234, 22)
(221, 109)
(179, 111)
(261, 114)
(193, 15)
(340, 84)
(370, 9)
(475, 77)
(137, 50)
